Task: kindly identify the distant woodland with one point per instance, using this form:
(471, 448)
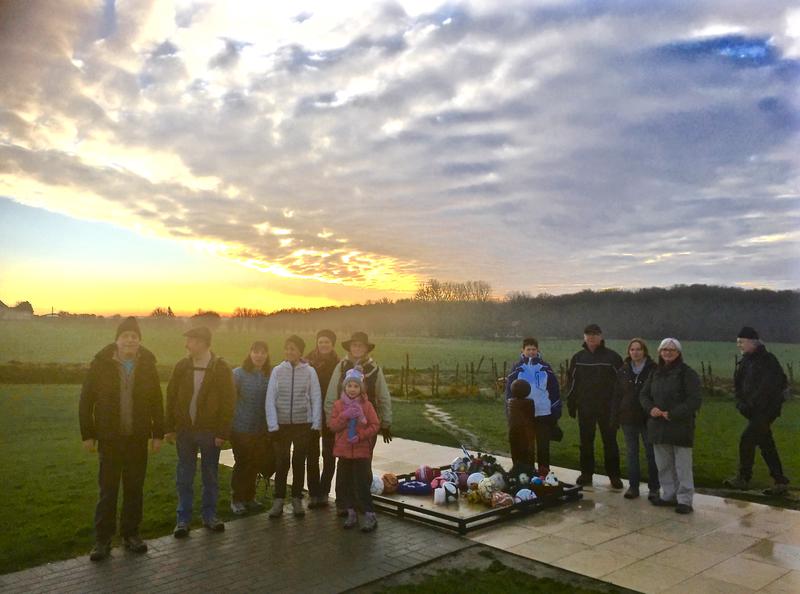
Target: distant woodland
(695, 312)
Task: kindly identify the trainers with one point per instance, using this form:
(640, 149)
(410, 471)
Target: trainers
(214, 524)
(683, 508)
(616, 482)
(352, 518)
(297, 507)
(277, 508)
(584, 480)
(737, 482)
(370, 522)
(238, 508)
(631, 493)
(135, 544)
(100, 551)
(181, 530)
(658, 502)
(777, 490)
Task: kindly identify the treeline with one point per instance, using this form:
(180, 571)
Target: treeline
(696, 312)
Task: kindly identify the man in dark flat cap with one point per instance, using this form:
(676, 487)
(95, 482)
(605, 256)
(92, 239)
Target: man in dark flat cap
(120, 409)
(200, 401)
(759, 384)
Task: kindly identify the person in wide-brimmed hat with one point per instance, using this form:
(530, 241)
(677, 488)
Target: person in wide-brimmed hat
(358, 348)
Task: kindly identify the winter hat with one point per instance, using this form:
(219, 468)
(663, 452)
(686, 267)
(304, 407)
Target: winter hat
(520, 388)
(327, 334)
(748, 332)
(354, 375)
(296, 341)
(129, 324)
(671, 342)
(414, 488)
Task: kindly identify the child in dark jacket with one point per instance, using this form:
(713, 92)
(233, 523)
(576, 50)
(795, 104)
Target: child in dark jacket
(355, 423)
(544, 401)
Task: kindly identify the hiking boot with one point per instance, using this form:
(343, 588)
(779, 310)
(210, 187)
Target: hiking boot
(584, 480)
(181, 530)
(370, 522)
(238, 508)
(616, 482)
(277, 508)
(100, 550)
(297, 507)
(214, 524)
(683, 508)
(737, 482)
(135, 544)
(352, 518)
(777, 490)
(658, 502)
(631, 493)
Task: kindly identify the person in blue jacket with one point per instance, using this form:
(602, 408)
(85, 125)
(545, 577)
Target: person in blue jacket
(545, 397)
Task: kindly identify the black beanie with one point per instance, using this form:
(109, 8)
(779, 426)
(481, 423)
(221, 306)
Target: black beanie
(748, 332)
(327, 334)
(296, 341)
(129, 324)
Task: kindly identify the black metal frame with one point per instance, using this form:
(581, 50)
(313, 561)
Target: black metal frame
(462, 525)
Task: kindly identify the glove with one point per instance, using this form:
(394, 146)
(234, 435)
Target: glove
(353, 439)
(386, 433)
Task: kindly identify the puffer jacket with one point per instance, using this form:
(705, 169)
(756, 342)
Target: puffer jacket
(759, 382)
(592, 378)
(676, 390)
(627, 409)
(337, 423)
(293, 396)
(215, 401)
(99, 404)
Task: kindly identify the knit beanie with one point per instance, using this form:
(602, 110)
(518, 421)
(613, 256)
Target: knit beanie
(354, 375)
(748, 332)
(129, 324)
(674, 342)
(296, 341)
(329, 334)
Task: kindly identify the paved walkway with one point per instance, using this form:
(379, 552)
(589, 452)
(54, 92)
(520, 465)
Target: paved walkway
(726, 546)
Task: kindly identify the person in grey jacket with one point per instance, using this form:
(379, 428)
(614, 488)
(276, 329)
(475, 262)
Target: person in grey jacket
(294, 409)
(671, 397)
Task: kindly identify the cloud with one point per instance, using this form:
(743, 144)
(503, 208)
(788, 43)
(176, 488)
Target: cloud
(412, 141)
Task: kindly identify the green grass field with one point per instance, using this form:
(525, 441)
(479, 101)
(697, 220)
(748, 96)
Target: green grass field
(51, 482)
(76, 341)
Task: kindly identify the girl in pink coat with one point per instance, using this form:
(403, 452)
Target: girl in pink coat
(355, 423)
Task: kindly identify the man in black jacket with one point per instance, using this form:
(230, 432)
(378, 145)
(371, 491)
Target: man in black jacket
(593, 376)
(759, 383)
(120, 409)
(201, 397)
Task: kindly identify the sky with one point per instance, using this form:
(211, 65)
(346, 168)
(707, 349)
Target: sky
(216, 154)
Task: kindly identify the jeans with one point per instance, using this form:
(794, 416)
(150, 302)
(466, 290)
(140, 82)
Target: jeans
(588, 421)
(758, 433)
(189, 443)
(632, 433)
(353, 486)
(297, 435)
(122, 458)
(675, 472)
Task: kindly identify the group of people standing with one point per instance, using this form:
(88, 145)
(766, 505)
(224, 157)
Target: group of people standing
(654, 402)
(274, 417)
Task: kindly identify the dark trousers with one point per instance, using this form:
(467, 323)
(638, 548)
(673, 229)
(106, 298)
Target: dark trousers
(353, 484)
(123, 458)
(291, 439)
(319, 485)
(252, 454)
(632, 433)
(758, 433)
(588, 422)
(530, 444)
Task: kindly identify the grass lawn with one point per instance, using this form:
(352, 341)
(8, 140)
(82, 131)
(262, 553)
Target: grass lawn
(51, 482)
(76, 341)
(716, 451)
